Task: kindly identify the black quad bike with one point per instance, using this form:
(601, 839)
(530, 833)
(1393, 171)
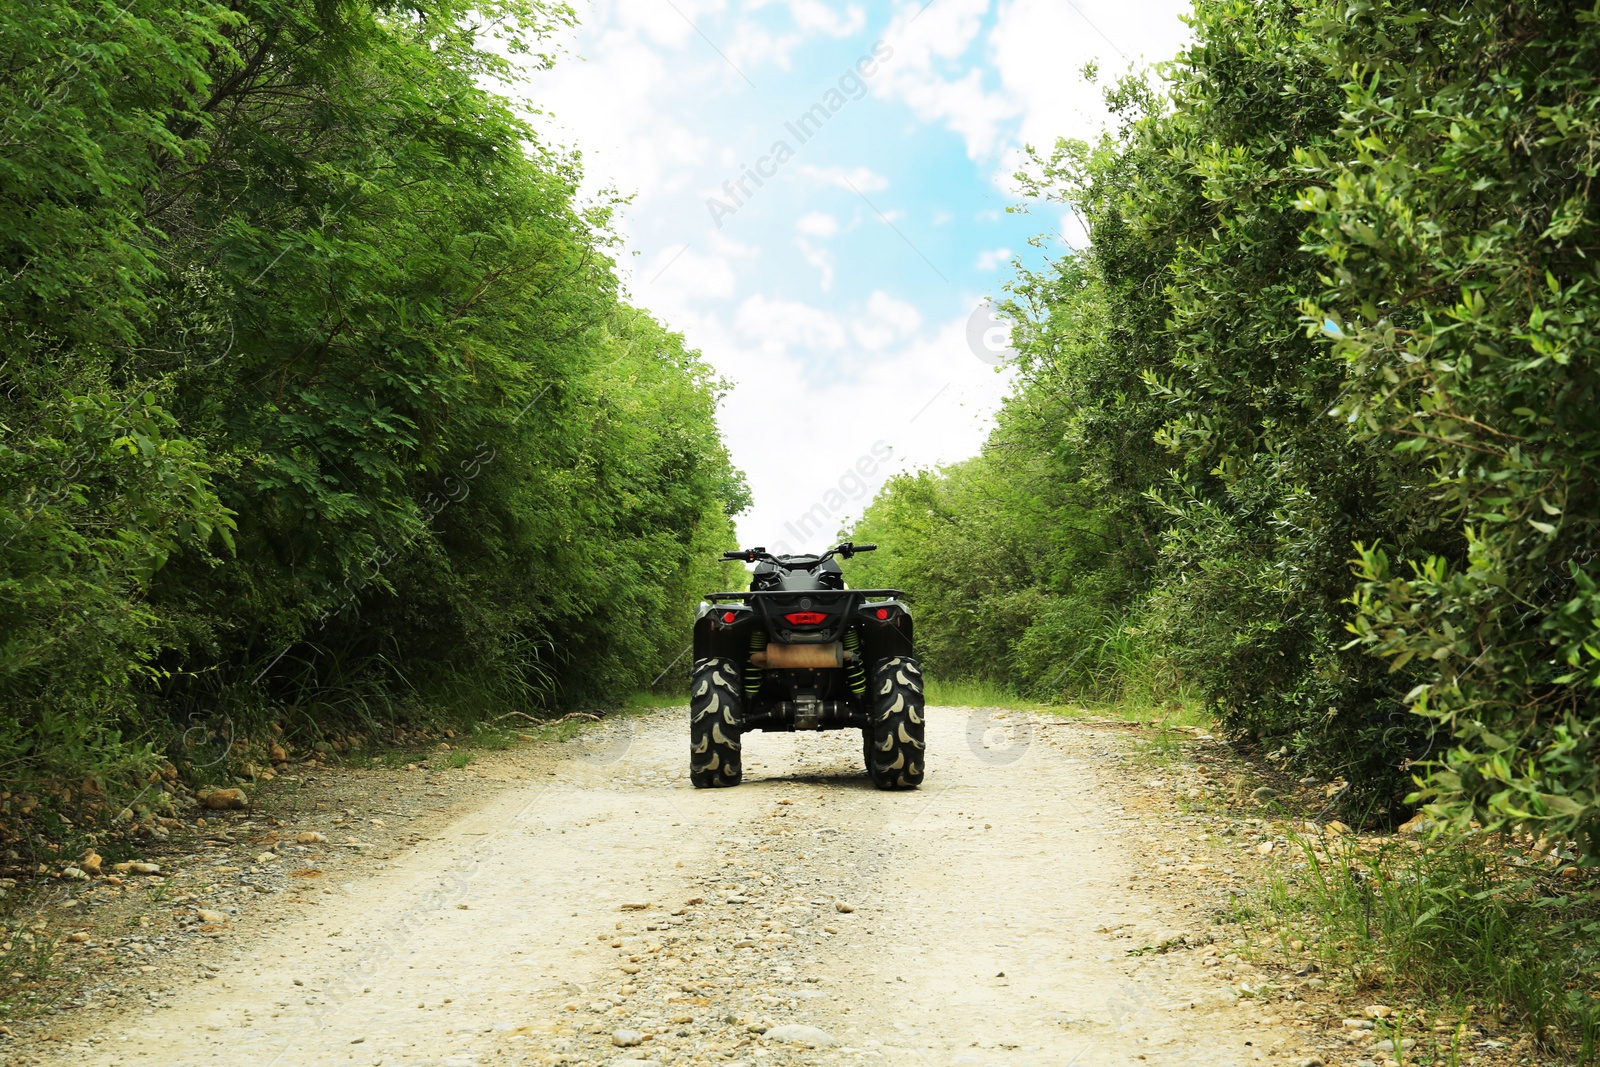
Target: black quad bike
(799, 651)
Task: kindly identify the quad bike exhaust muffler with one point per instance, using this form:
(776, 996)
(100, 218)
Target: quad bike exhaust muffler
(781, 657)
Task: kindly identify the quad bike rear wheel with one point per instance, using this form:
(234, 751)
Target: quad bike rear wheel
(714, 706)
(895, 749)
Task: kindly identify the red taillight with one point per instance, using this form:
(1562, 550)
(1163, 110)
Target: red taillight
(883, 613)
(728, 616)
(807, 618)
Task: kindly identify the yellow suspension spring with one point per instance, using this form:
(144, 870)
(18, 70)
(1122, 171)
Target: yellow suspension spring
(855, 671)
(752, 673)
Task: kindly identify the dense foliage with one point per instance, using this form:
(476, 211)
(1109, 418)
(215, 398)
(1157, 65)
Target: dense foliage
(318, 391)
(1319, 399)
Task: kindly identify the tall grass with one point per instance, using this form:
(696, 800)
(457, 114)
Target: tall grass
(1454, 922)
(970, 693)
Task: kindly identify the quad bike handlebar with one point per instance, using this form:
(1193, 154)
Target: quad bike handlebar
(753, 555)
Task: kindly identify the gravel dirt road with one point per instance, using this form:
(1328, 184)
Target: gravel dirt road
(595, 909)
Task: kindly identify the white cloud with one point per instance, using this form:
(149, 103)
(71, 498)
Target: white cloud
(675, 281)
(778, 325)
(814, 16)
(989, 260)
(1019, 83)
(930, 401)
(817, 224)
(669, 25)
(854, 179)
(887, 320)
(819, 258)
(928, 43)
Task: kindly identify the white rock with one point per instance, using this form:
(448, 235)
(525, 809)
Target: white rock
(627, 1038)
(800, 1034)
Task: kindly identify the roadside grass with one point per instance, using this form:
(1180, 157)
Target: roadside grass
(965, 693)
(1467, 928)
(30, 984)
(654, 700)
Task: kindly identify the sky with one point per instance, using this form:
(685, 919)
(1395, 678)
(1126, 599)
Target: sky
(819, 204)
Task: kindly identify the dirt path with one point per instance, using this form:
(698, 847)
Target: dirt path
(802, 918)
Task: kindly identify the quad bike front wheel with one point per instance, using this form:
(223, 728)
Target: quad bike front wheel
(895, 743)
(714, 705)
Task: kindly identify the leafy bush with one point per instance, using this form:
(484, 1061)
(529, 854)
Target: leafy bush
(1458, 228)
(320, 400)
(1336, 313)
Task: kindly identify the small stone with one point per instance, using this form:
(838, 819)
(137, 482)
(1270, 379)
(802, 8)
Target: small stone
(682, 1020)
(208, 916)
(627, 1038)
(630, 968)
(1379, 1011)
(1356, 1024)
(636, 906)
(225, 800)
(74, 874)
(800, 1034)
(1311, 1061)
(78, 938)
(843, 908)
(1387, 1044)
(1417, 824)
(1264, 793)
(1265, 848)
(265, 858)
(309, 837)
(137, 867)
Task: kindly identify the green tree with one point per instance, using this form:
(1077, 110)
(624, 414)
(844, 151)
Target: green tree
(320, 393)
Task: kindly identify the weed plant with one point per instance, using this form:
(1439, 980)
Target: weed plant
(1466, 924)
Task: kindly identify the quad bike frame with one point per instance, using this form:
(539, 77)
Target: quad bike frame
(808, 656)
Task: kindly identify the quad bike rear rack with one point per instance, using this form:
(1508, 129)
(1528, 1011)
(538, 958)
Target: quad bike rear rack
(752, 594)
(771, 603)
